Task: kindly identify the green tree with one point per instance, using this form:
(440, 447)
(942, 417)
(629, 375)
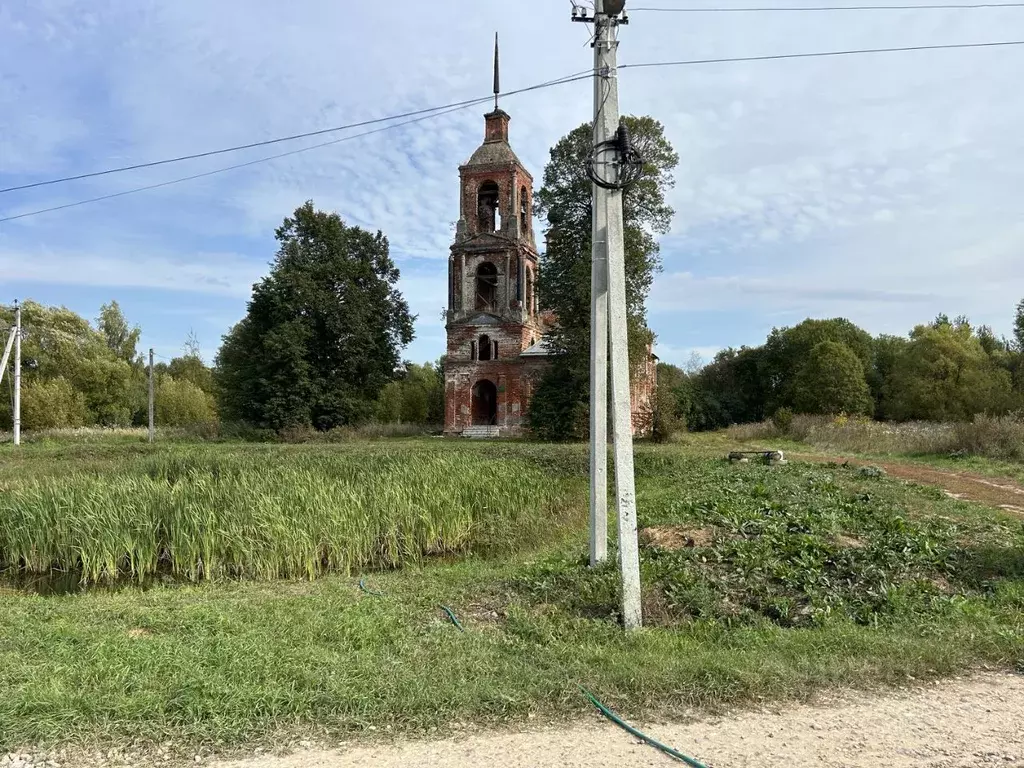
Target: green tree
(886, 350)
(422, 394)
(557, 409)
(944, 374)
(832, 381)
(787, 349)
(58, 343)
(1018, 326)
(564, 281)
(669, 403)
(323, 331)
(389, 403)
(114, 390)
(121, 338)
(728, 390)
(190, 366)
(52, 403)
(180, 403)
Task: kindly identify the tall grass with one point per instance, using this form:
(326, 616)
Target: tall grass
(994, 437)
(276, 513)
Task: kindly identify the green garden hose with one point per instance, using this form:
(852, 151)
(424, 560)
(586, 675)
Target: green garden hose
(367, 590)
(593, 699)
(639, 734)
(451, 616)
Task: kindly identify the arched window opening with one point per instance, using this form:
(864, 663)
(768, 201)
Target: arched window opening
(485, 347)
(529, 292)
(472, 350)
(487, 207)
(487, 287)
(495, 353)
(524, 211)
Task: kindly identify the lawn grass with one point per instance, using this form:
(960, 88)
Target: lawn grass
(809, 577)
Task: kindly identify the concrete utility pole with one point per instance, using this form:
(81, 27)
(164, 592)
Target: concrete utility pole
(17, 373)
(151, 426)
(599, 343)
(608, 318)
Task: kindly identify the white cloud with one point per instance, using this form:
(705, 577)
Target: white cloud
(880, 186)
(224, 274)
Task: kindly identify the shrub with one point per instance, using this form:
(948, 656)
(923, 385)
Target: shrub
(179, 403)
(783, 420)
(52, 404)
(998, 437)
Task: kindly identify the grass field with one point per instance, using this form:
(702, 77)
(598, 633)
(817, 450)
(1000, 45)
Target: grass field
(794, 578)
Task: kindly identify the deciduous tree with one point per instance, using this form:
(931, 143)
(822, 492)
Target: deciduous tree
(323, 332)
(832, 380)
(564, 282)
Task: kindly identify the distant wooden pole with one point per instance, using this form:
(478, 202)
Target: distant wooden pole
(151, 426)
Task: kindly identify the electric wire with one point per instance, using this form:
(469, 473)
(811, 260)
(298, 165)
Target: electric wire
(797, 9)
(586, 75)
(426, 112)
(216, 171)
(818, 54)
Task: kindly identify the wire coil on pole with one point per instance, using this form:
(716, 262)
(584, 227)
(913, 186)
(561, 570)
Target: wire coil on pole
(627, 162)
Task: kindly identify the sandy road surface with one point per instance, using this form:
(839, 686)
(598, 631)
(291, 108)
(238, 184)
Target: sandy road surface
(976, 721)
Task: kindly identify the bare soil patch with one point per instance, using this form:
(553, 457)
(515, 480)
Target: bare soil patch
(1000, 493)
(674, 537)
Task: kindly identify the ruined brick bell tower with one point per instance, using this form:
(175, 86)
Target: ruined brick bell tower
(493, 325)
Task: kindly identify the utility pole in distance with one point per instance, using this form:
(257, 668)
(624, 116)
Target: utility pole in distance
(17, 373)
(151, 427)
(612, 164)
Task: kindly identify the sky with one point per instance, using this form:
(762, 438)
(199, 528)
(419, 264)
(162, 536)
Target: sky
(882, 188)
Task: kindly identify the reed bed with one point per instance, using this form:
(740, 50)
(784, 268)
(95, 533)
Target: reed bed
(277, 513)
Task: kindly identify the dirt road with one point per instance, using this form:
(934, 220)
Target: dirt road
(995, 492)
(955, 723)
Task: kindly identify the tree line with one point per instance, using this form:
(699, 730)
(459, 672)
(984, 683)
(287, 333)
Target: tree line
(320, 345)
(76, 373)
(945, 370)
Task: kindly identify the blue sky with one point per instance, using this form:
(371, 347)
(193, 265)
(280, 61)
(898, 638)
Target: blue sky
(882, 188)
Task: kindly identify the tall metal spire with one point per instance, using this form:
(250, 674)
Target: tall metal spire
(497, 73)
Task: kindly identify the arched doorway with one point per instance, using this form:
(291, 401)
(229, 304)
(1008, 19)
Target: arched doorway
(485, 403)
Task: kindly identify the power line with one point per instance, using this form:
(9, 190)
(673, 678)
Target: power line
(429, 111)
(585, 75)
(211, 153)
(778, 56)
(216, 171)
(788, 9)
